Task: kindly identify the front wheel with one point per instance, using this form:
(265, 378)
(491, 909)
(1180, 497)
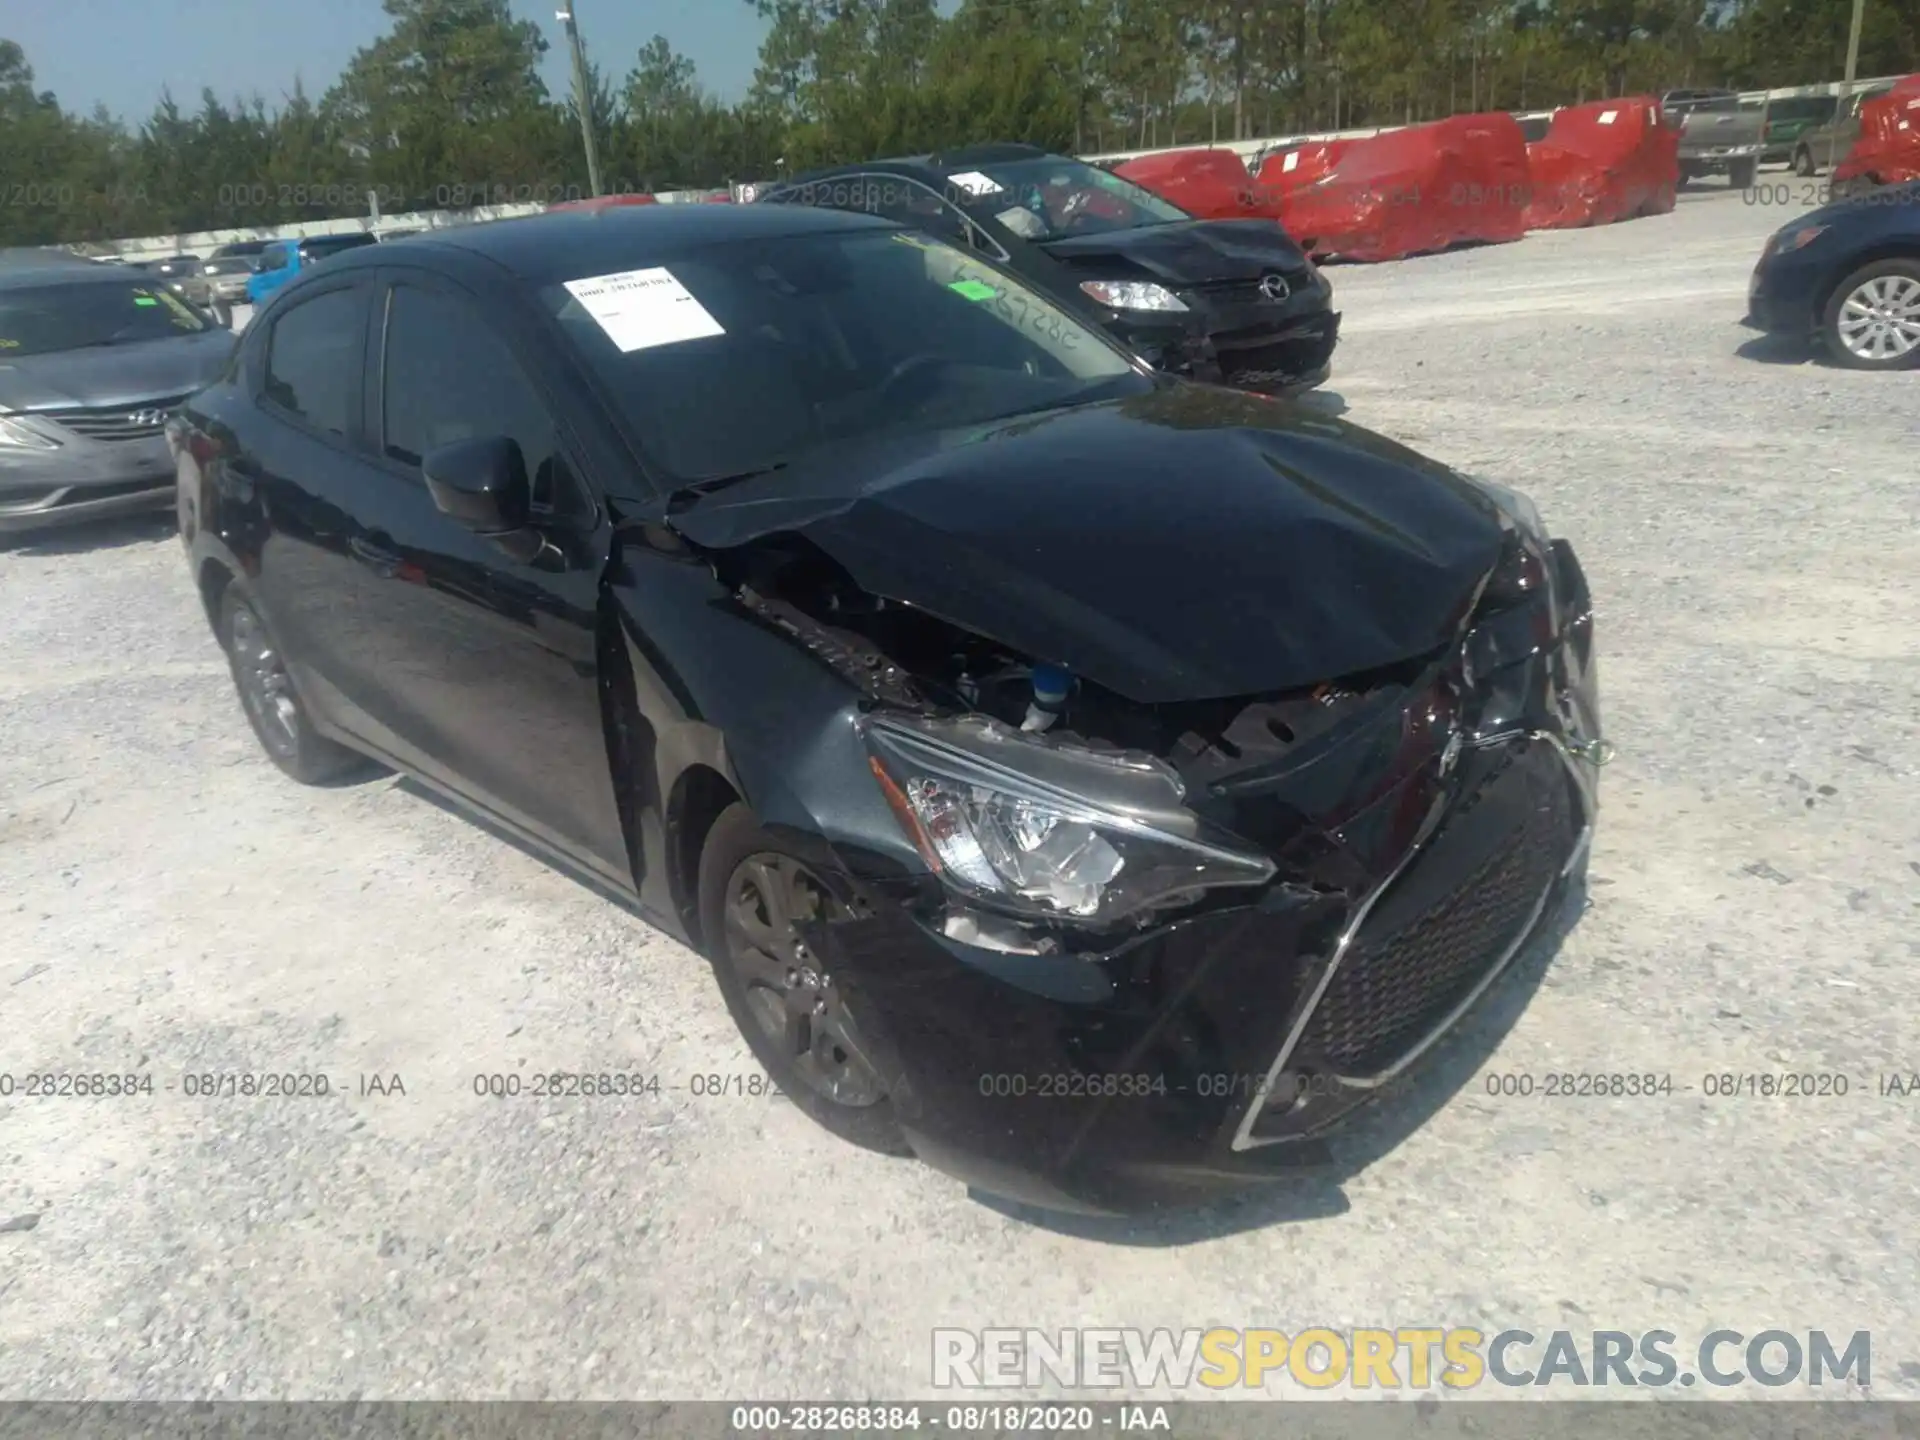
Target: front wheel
(796, 1016)
(1873, 320)
(279, 719)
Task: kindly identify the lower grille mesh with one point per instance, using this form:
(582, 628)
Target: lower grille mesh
(1392, 989)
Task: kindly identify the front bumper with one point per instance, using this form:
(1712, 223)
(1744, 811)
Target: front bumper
(1215, 1052)
(1782, 296)
(1719, 160)
(81, 482)
(1266, 348)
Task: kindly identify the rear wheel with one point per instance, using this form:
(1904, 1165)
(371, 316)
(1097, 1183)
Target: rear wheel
(799, 1021)
(279, 720)
(1741, 174)
(1803, 162)
(1872, 322)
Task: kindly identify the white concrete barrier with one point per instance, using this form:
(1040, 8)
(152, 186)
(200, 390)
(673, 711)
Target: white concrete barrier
(1252, 151)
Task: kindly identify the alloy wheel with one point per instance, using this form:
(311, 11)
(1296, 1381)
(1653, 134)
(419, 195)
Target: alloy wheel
(264, 684)
(1880, 320)
(791, 996)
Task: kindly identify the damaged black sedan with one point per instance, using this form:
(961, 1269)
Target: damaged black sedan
(1095, 783)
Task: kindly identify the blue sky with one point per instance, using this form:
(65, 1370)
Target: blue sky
(121, 52)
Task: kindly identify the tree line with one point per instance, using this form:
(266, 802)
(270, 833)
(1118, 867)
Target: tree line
(447, 109)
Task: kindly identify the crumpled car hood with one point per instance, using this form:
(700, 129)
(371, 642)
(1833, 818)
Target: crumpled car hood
(1190, 253)
(1187, 544)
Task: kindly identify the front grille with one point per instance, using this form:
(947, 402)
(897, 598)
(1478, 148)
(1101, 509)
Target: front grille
(1264, 364)
(1247, 292)
(118, 422)
(1393, 988)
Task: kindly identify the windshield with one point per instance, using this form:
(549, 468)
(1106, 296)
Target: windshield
(47, 318)
(752, 353)
(1051, 198)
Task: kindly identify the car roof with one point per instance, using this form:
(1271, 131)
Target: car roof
(935, 164)
(543, 249)
(23, 274)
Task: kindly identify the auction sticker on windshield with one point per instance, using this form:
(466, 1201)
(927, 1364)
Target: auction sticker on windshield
(639, 309)
(974, 183)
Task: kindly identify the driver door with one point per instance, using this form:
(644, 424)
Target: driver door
(487, 666)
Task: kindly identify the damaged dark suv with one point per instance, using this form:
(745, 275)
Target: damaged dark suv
(1092, 782)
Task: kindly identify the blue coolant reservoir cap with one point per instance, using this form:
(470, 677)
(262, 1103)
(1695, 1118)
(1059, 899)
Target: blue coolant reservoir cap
(1051, 683)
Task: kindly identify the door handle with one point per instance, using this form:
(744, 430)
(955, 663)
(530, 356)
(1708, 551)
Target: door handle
(384, 563)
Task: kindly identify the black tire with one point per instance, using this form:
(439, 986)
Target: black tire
(1906, 275)
(1742, 173)
(1802, 163)
(799, 1029)
(273, 708)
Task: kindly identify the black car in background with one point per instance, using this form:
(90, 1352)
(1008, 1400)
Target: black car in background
(1094, 783)
(1235, 302)
(1848, 276)
(93, 358)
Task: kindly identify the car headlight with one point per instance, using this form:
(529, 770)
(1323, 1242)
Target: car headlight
(1787, 241)
(1132, 295)
(15, 436)
(1046, 829)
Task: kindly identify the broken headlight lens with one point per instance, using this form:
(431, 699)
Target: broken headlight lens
(1133, 295)
(1046, 829)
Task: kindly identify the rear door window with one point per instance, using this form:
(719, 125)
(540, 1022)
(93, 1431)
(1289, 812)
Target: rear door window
(314, 360)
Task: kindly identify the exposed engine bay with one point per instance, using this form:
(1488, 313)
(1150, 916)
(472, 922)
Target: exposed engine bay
(903, 656)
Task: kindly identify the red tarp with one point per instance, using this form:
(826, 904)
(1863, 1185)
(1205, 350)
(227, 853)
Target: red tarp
(1420, 189)
(1601, 162)
(1295, 169)
(1212, 184)
(1888, 150)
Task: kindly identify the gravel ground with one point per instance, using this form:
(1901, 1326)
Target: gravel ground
(170, 904)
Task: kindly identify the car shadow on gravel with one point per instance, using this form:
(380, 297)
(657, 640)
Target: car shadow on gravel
(1316, 1193)
(114, 534)
(1777, 350)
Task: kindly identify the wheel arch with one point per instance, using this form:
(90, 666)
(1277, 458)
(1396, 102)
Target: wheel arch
(1893, 248)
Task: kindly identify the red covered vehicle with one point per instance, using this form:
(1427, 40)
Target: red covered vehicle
(1412, 191)
(1888, 150)
(1286, 171)
(1208, 184)
(1601, 162)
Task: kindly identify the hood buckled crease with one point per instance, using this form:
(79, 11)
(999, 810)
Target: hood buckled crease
(1190, 252)
(1186, 545)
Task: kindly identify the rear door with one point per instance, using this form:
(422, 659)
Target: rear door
(298, 472)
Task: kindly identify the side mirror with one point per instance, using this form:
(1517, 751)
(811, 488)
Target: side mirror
(480, 483)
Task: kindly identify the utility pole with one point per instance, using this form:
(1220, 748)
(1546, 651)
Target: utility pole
(582, 95)
(1853, 42)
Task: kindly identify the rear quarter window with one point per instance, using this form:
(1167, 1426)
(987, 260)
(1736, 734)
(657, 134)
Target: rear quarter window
(314, 360)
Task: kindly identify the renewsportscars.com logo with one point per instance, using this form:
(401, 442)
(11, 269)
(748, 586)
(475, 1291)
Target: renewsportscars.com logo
(1403, 1358)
